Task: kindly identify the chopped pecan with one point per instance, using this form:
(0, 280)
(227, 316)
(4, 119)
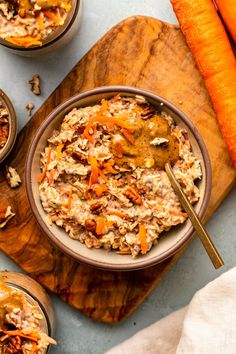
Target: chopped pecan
(12, 177)
(81, 129)
(96, 207)
(90, 225)
(132, 194)
(14, 345)
(148, 112)
(78, 156)
(35, 84)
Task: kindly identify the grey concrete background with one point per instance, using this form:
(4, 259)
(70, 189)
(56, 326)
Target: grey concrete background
(76, 333)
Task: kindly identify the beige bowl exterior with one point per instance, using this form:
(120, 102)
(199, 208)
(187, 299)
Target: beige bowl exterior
(169, 242)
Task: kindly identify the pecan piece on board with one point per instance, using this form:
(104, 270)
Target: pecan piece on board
(5, 215)
(35, 84)
(12, 177)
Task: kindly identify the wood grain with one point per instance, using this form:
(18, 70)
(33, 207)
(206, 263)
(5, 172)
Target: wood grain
(142, 52)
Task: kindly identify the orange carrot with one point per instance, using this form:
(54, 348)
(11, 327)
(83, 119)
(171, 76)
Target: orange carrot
(143, 238)
(43, 175)
(40, 21)
(100, 190)
(58, 151)
(211, 49)
(69, 199)
(33, 336)
(227, 10)
(94, 170)
(53, 16)
(128, 136)
(118, 213)
(25, 42)
(119, 150)
(108, 167)
(101, 174)
(51, 177)
(100, 225)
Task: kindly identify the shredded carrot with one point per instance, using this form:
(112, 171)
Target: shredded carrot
(227, 10)
(94, 170)
(25, 42)
(69, 199)
(53, 16)
(43, 175)
(211, 49)
(100, 189)
(102, 175)
(117, 213)
(59, 150)
(119, 150)
(40, 21)
(33, 336)
(100, 225)
(128, 136)
(143, 238)
(51, 177)
(104, 106)
(108, 167)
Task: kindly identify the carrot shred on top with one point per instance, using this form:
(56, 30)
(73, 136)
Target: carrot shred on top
(143, 238)
(100, 225)
(94, 170)
(43, 175)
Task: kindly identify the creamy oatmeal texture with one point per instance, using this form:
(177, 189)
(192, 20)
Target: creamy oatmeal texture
(20, 324)
(26, 23)
(102, 175)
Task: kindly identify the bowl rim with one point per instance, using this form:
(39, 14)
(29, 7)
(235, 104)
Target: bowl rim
(13, 126)
(149, 95)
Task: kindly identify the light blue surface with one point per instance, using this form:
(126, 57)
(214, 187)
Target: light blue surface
(76, 333)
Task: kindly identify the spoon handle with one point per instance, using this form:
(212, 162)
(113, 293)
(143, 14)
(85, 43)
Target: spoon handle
(202, 233)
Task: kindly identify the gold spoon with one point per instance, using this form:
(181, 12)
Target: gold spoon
(202, 233)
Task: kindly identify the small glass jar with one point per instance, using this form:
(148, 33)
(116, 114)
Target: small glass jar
(58, 38)
(12, 121)
(35, 295)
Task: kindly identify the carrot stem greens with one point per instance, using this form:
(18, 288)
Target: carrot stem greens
(211, 49)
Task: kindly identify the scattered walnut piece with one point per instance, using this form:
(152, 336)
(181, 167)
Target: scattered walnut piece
(5, 215)
(35, 84)
(12, 177)
(29, 107)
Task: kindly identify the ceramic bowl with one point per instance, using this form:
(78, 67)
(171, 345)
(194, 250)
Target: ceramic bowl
(170, 242)
(5, 151)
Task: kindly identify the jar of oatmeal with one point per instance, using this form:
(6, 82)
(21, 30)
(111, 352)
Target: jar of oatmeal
(26, 314)
(35, 27)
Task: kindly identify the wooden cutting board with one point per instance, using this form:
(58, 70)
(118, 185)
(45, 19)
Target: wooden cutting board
(142, 52)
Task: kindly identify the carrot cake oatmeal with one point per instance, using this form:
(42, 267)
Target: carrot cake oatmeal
(103, 177)
(26, 23)
(4, 125)
(20, 324)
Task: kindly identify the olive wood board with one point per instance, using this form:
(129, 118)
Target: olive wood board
(142, 52)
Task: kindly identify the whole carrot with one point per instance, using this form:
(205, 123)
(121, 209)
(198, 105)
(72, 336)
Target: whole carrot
(227, 10)
(211, 49)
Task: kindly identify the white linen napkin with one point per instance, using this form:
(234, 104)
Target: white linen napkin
(206, 326)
